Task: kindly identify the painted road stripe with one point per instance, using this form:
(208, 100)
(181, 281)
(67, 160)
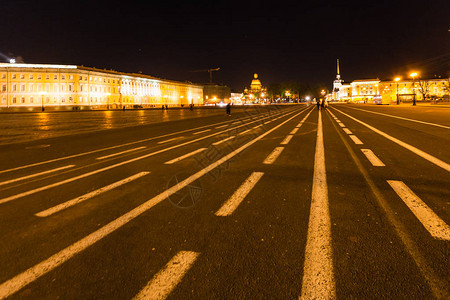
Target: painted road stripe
(169, 277)
(43, 188)
(303, 120)
(245, 131)
(171, 140)
(239, 195)
(318, 278)
(374, 160)
(36, 174)
(21, 280)
(184, 156)
(347, 131)
(294, 131)
(119, 153)
(58, 208)
(270, 159)
(397, 117)
(200, 132)
(224, 140)
(341, 124)
(435, 225)
(286, 140)
(355, 139)
(413, 149)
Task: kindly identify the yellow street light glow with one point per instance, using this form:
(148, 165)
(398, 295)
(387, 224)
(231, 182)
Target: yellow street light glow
(397, 79)
(414, 74)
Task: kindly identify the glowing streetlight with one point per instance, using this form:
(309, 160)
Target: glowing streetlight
(413, 76)
(397, 79)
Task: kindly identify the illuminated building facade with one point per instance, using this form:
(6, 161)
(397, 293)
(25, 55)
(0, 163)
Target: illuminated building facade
(45, 85)
(257, 92)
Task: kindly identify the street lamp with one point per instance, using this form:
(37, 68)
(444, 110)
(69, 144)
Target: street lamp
(413, 75)
(42, 93)
(397, 79)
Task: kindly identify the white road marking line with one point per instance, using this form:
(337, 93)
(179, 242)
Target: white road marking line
(435, 225)
(58, 208)
(218, 127)
(267, 122)
(287, 139)
(374, 160)
(341, 124)
(224, 140)
(294, 131)
(184, 156)
(347, 131)
(239, 195)
(397, 117)
(36, 174)
(200, 132)
(43, 188)
(413, 149)
(119, 153)
(355, 139)
(244, 132)
(16, 283)
(171, 140)
(169, 277)
(318, 278)
(270, 159)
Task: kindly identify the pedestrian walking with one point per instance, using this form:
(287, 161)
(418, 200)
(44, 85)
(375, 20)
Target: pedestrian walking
(318, 104)
(229, 109)
(322, 104)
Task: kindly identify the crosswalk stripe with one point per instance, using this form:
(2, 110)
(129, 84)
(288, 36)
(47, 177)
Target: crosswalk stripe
(374, 160)
(36, 174)
(122, 152)
(435, 225)
(67, 204)
(184, 156)
(169, 277)
(318, 278)
(239, 195)
(355, 139)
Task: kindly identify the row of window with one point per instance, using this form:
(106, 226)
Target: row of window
(57, 88)
(55, 77)
(54, 100)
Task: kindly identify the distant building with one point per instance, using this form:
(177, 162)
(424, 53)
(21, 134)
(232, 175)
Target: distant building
(257, 92)
(215, 93)
(59, 86)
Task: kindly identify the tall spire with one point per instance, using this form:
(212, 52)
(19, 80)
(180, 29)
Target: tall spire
(338, 76)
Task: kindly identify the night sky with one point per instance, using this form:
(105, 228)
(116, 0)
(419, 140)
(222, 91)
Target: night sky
(279, 40)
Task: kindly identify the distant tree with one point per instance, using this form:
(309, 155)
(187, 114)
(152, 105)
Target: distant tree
(424, 88)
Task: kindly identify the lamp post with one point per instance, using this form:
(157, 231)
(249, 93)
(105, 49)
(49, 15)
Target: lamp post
(43, 93)
(397, 79)
(413, 75)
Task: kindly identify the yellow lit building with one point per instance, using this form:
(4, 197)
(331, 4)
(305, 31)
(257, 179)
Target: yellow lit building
(366, 91)
(45, 85)
(433, 89)
(257, 92)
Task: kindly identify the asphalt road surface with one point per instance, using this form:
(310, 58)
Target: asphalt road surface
(272, 202)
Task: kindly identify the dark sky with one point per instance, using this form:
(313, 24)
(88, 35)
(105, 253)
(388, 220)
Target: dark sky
(279, 40)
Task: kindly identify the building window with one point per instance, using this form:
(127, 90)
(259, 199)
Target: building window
(47, 77)
(80, 77)
(22, 76)
(81, 87)
(31, 99)
(22, 88)
(4, 100)
(31, 76)
(31, 87)
(4, 88)
(85, 78)
(55, 87)
(70, 87)
(23, 99)
(70, 99)
(63, 77)
(63, 100)
(3, 76)
(14, 100)
(13, 76)
(39, 76)
(63, 87)
(55, 76)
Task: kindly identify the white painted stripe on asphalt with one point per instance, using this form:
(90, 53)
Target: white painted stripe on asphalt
(341, 124)
(224, 140)
(16, 283)
(36, 174)
(58, 208)
(184, 156)
(355, 139)
(286, 140)
(303, 120)
(267, 122)
(200, 132)
(239, 195)
(402, 118)
(411, 148)
(218, 127)
(171, 140)
(318, 278)
(43, 188)
(374, 160)
(169, 277)
(272, 157)
(435, 225)
(294, 131)
(245, 131)
(347, 131)
(119, 153)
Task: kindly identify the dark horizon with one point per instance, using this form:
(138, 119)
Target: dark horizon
(280, 42)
